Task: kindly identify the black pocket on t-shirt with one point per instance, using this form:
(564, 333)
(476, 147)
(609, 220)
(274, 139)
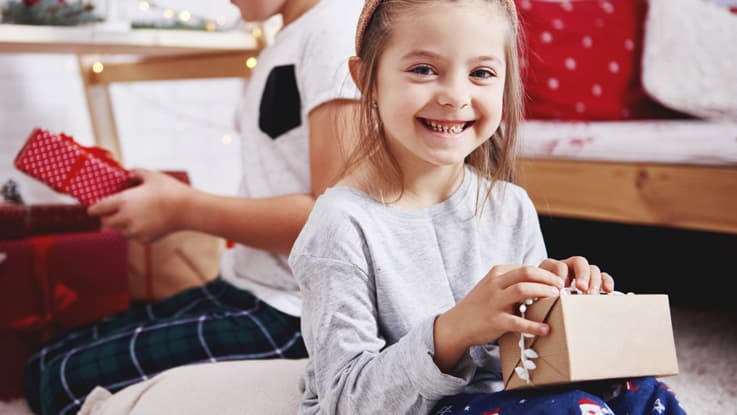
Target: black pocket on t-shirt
(280, 107)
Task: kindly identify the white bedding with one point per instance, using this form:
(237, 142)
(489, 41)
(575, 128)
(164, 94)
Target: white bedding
(693, 142)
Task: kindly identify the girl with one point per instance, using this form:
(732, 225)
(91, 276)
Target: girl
(411, 266)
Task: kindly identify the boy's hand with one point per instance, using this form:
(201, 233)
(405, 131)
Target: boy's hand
(147, 211)
(589, 277)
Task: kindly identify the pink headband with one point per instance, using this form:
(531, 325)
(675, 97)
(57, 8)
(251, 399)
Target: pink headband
(368, 11)
(370, 7)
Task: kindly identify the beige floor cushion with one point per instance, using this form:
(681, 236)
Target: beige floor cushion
(242, 387)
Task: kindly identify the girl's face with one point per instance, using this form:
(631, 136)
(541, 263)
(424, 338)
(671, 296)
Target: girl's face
(440, 82)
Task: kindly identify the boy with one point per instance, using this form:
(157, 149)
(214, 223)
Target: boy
(294, 106)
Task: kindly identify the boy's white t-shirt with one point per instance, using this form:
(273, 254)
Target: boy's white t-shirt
(305, 66)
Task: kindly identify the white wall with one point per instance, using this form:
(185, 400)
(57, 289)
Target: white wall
(162, 125)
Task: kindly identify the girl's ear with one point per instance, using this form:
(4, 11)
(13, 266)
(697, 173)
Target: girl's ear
(354, 66)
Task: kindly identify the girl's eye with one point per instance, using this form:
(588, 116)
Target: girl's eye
(422, 70)
(483, 74)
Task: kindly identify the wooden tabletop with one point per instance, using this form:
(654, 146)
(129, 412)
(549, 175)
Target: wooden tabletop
(98, 40)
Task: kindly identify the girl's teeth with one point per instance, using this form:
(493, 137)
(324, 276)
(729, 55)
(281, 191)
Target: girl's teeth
(452, 129)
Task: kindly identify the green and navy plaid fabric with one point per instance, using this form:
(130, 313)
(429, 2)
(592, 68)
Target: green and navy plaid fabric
(216, 322)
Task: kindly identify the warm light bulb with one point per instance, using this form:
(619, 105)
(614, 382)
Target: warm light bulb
(168, 13)
(144, 6)
(227, 139)
(210, 27)
(185, 15)
(220, 21)
(251, 62)
(98, 67)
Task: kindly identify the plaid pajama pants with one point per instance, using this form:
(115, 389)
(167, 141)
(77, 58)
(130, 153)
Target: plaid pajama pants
(641, 396)
(212, 323)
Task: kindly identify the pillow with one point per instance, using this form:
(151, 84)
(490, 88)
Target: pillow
(243, 387)
(687, 67)
(581, 60)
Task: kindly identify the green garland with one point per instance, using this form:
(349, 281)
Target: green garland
(50, 12)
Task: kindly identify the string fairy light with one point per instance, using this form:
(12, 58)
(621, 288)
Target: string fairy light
(183, 118)
(251, 62)
(98, 67)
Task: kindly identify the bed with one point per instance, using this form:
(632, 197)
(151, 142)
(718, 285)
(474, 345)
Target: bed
(614, 70)
(673, 173)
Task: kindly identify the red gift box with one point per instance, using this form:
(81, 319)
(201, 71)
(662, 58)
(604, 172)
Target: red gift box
(86, 173)
(20, 221)
(53, 218)
(12, 221)
(49, 284)
(14, 350)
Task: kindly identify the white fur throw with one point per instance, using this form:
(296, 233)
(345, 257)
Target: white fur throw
(690, 57)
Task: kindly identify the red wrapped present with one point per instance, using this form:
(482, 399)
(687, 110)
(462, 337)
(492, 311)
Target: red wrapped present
(59, 218)
(50, 284)
(86, 173)
(20, 221)
(14, 349)
(12, 221)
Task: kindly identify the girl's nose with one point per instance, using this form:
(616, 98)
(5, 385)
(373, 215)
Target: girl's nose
(454, 94)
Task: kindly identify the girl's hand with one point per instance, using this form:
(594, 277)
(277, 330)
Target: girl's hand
(147, 211)
(589, 277)
(490, 309)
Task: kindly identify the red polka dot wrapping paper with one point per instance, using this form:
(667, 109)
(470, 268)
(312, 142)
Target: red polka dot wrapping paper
(85, 173)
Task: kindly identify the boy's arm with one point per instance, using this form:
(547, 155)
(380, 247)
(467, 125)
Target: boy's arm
(160, 206)
(272, 224)
(332, 136)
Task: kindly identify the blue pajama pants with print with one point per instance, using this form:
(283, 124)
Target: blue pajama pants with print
(639, 396)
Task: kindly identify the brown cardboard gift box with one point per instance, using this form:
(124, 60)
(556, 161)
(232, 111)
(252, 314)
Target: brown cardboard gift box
(594, 337)
(181, 260)
(178, 261)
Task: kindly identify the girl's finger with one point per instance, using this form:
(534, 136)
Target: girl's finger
(530, 273)
(594, 280)
(607, 282)
(578, 266)
(498, 270)
(522, 291)
(523, 325)
(556, 267)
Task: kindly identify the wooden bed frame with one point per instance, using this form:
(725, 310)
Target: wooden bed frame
(671, 195)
